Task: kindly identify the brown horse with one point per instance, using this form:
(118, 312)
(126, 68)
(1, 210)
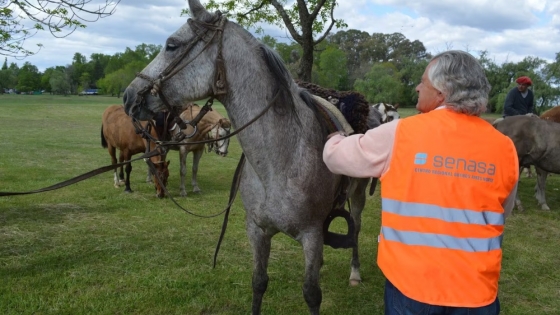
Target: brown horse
(211, 126)
(118, 132)
(552, 114)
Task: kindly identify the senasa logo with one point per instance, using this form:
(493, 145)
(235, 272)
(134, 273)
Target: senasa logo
(420, 158)
(462, 164)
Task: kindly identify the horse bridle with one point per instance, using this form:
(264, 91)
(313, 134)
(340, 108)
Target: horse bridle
(215, 145)
(219, 85)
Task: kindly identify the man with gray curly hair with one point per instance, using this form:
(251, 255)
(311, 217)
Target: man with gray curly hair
(448, 181)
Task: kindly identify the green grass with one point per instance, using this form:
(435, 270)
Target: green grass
(92, 249)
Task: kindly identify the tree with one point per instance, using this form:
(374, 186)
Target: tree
(59, 82)
(60, 17)
(115, 82)
(381, 84)
(29, 78)
(332, 71)
(308, 22)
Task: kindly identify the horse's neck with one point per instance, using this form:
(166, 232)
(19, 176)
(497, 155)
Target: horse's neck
(274, 132)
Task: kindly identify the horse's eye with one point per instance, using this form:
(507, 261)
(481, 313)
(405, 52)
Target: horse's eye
(171, 47)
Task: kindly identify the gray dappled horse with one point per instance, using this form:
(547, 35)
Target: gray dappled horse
(536, 142)
(285, 186)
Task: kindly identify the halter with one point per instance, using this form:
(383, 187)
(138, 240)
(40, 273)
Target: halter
(219, 85)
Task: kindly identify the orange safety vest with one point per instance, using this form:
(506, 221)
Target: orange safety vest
(442, 217)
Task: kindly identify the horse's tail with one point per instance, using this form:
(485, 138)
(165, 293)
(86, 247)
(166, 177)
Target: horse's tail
(103, 141)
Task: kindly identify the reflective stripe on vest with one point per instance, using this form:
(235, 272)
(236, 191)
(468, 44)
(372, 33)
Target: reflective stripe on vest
(442, 241)
(411, 209)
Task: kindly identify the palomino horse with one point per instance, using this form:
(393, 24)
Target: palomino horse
(284, 184)
(536, 142)
(211, 126)
(118, 132)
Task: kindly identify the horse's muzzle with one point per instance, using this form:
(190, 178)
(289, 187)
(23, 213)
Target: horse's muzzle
(135, 109)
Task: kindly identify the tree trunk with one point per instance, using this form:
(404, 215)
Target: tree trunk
(306, 62)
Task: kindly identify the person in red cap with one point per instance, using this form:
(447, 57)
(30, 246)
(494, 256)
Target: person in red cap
(519, 100)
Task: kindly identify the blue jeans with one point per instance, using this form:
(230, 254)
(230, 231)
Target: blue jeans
(397, 303)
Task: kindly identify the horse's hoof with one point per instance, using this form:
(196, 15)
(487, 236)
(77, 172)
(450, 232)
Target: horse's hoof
(545, 207)
(355, 283)
(128, 191)
(183, 194)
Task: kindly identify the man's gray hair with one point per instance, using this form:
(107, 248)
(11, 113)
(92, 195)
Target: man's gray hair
(461, 79)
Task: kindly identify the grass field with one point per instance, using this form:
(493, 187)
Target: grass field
(92, 249)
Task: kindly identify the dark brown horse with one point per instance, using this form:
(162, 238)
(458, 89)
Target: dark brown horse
(118, 132)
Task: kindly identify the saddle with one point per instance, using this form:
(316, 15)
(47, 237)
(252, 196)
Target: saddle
(346, 112)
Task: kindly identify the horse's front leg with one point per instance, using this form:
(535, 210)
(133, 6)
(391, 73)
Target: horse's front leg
(260, 243)
(121, 171)
(183, 168)
(149, 176)
(197, 154)
(127, 170)
(540, 188)
(313, 251)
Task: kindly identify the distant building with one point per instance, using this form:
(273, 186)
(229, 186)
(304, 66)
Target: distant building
(89, 92)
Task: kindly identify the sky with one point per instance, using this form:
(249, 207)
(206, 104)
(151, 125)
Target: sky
(508, 29)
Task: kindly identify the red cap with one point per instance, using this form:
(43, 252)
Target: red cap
(524, 80)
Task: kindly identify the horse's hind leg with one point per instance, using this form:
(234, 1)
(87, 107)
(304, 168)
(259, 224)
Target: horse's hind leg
(113, 153)
(197, 154)
(260, 243)
(540, 188)
(313, 250)
(183, 168)
(357, 202)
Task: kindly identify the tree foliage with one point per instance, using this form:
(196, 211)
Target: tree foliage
(381, 84)
(307, 22)
(61, 18)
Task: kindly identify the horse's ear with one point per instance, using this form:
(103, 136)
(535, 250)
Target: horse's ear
(198, 12)
(396, 106)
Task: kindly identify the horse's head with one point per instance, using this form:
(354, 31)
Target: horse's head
(221, 130)
(189, 67)
(388, 112)
(162, 172)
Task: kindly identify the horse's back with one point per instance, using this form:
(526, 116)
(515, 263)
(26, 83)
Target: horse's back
(552, 114)
(119, 131)
(533, 138)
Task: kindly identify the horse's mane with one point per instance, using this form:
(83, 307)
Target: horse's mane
(351, 104)
(282, 78)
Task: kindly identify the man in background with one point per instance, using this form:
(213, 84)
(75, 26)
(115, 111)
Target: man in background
(519, 100)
